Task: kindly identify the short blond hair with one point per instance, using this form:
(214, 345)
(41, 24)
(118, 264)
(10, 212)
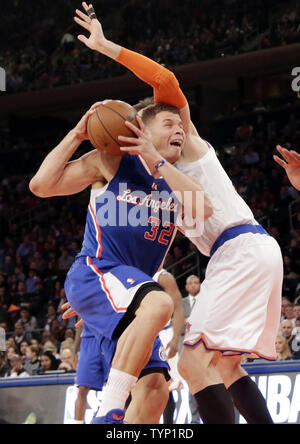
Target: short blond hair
(286, 349)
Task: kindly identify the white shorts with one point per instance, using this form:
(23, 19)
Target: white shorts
(238, 309)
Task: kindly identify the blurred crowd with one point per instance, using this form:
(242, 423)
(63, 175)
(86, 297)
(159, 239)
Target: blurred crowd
(43, 50)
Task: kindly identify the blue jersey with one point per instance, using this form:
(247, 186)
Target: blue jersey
(131, 220)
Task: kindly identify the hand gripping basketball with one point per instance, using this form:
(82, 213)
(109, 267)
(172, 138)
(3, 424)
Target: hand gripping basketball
(108, 122)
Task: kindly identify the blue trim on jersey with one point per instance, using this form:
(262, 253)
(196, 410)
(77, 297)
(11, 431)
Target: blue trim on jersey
(233, 232)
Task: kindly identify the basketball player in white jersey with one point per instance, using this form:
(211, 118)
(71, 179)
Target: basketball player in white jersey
(239, 312)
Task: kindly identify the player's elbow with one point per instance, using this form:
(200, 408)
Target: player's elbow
(38, 188)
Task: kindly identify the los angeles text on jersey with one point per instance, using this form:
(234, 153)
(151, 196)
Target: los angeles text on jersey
(153, 433)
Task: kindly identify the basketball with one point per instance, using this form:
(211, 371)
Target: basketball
(108, 122)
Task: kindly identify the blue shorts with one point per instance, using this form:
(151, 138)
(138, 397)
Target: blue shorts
(95, 361)
(101, 294)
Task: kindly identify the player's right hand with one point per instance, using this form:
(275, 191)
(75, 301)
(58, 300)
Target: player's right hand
(96, 38)
(81, 127)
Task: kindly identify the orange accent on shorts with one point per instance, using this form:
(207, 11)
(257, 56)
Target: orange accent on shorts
(224, 350)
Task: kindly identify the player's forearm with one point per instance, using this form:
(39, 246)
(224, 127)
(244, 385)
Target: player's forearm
(178, 322)
(109, 49)
(165, 85)
(132, 60)
(43, 182)
(189, 192)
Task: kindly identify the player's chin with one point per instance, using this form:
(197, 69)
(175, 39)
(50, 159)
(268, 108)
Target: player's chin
(174, 153)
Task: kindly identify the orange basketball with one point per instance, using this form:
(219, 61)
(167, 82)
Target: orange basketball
(108, 122)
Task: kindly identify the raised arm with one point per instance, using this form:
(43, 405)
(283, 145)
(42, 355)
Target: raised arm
(163, 81)
(58, 176)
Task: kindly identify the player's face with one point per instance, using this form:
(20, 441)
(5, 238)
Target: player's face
(167, 134)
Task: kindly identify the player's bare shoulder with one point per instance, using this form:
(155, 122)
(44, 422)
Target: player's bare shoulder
(101, 165)
(109, 164)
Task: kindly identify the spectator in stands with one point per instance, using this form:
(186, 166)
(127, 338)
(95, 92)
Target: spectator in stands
(296, 312)
(33, 361)
(48, 362)
(51, 315)
(23, 349)
(284, 302)
(244, 131)
(19, 273)
(3, 365)
(68, 362)
(17, 369)
(20, 334)
(26, 248)
(282, 349)
(290, 314)
(21, 297)
(192, 286)
(32, 279)
(65, 260)
(8, 266)
(57, 294)
(287, 332)
(57, 331)
(29, 322)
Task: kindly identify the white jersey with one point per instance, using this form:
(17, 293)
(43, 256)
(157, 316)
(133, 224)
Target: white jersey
(229, 209)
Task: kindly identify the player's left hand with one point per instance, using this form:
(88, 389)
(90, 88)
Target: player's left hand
(141, 144)
(70, 313)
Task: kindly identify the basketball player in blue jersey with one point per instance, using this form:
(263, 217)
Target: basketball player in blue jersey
(110, 284)
(151, 392)
(239, 309)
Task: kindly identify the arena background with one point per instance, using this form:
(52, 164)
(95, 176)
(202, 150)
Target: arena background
(237, 63)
